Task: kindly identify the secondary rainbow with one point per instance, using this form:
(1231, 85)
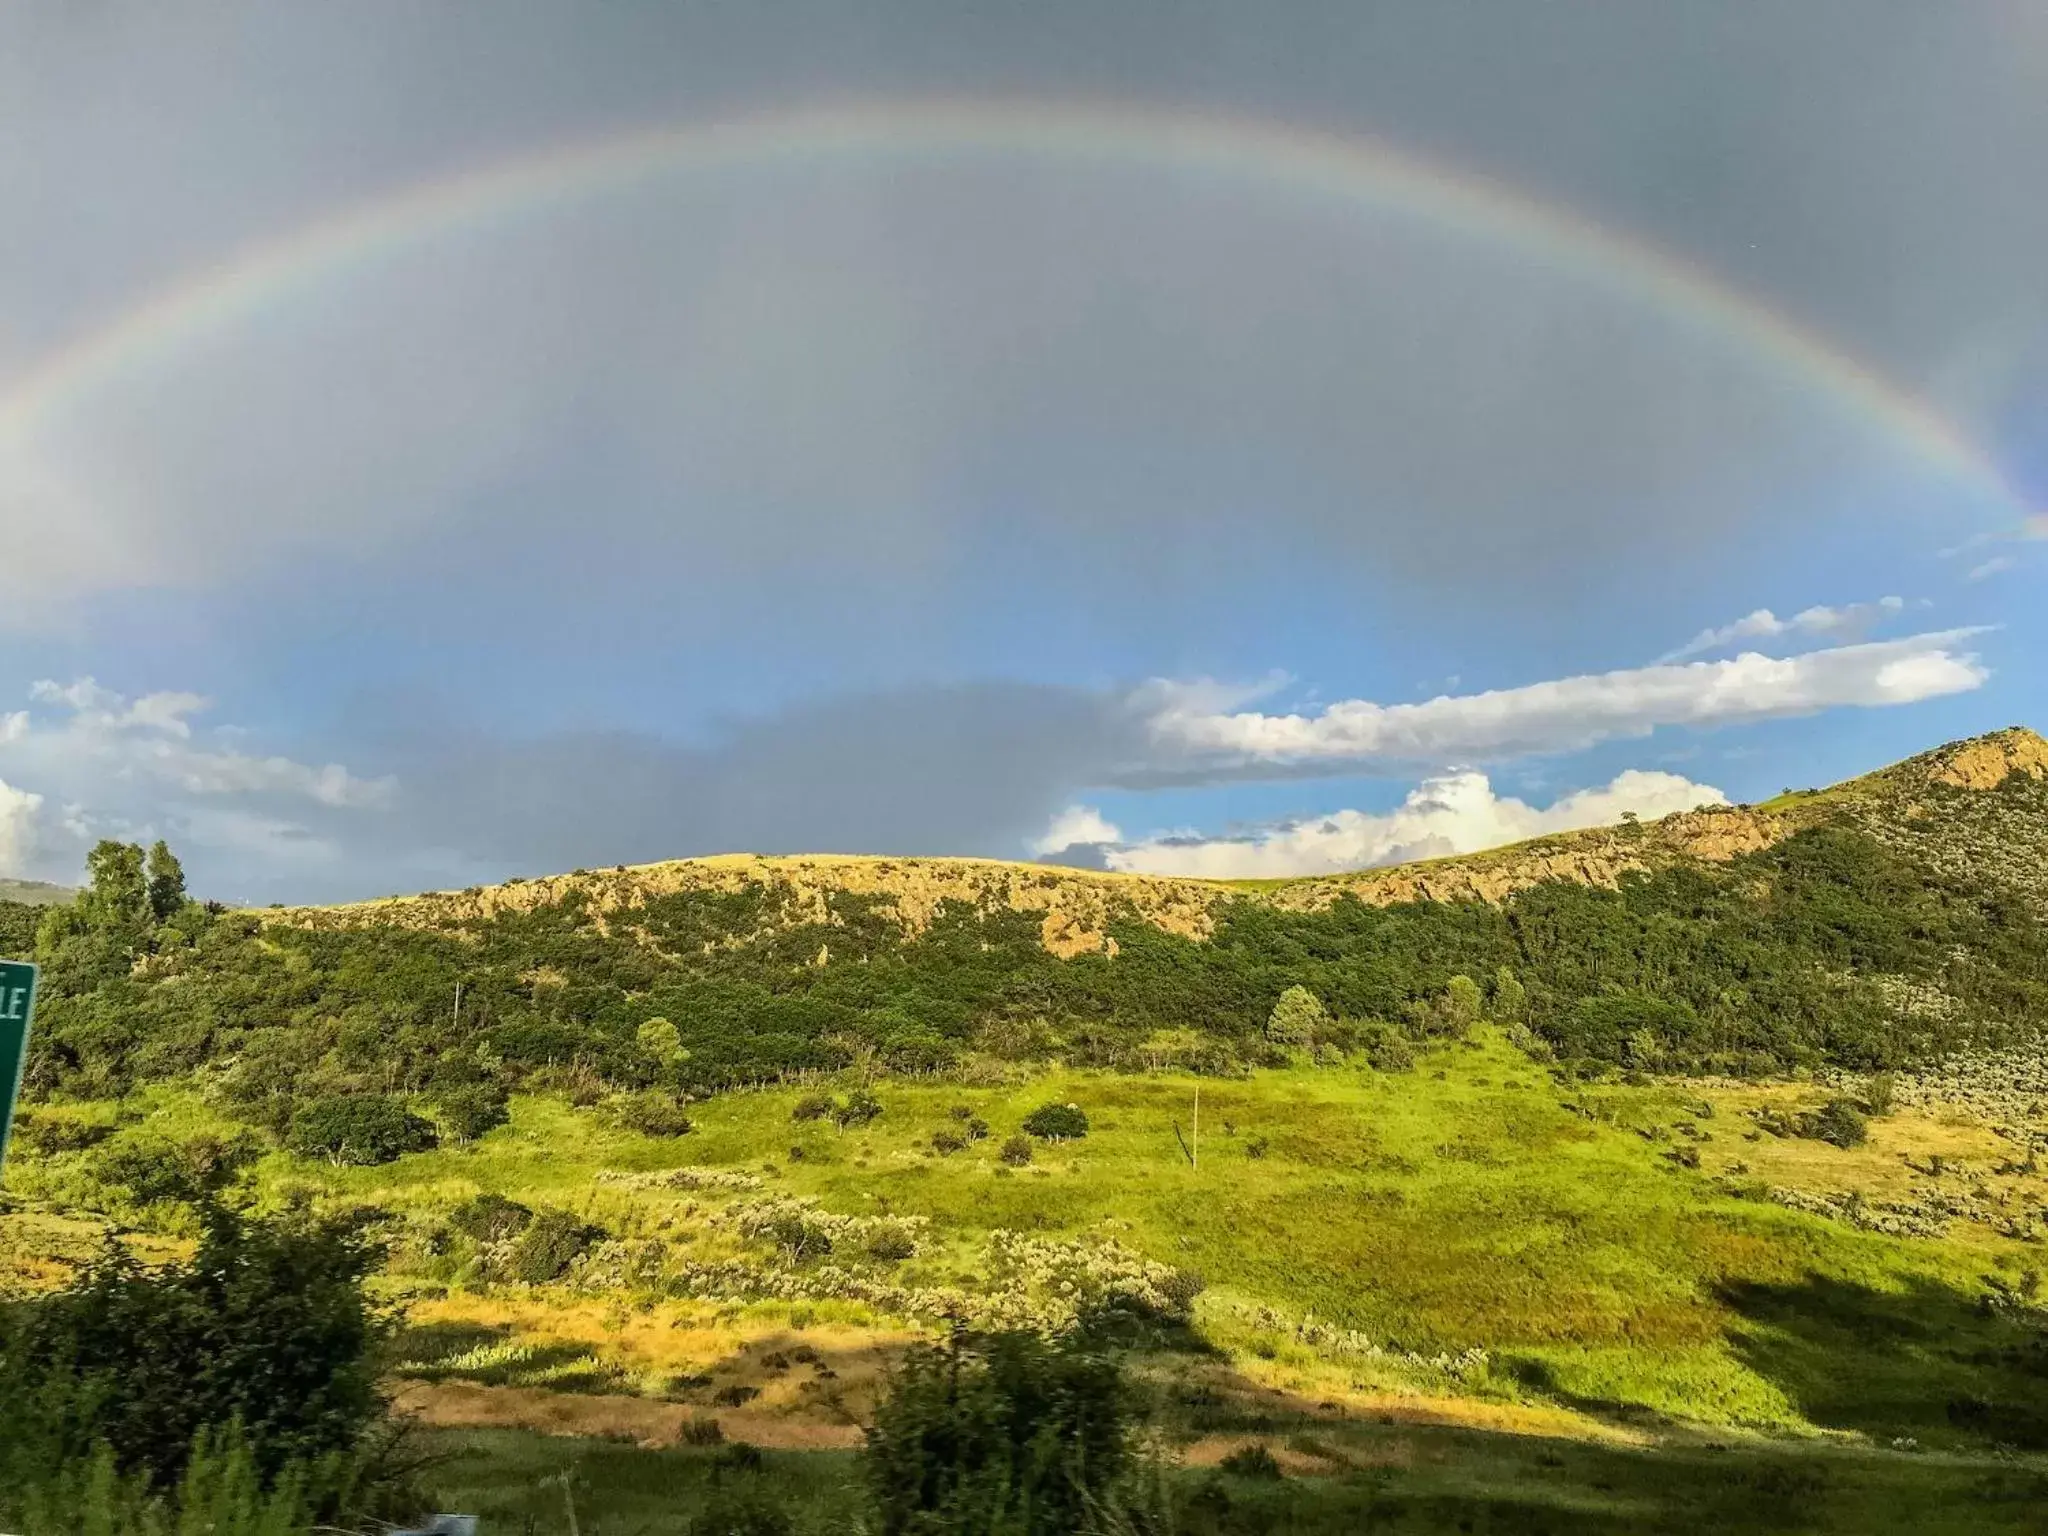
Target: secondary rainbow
(1357, 172)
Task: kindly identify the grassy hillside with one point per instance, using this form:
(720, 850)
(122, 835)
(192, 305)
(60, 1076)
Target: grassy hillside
(1715, 1138)
(1879, 927)
(35, 893)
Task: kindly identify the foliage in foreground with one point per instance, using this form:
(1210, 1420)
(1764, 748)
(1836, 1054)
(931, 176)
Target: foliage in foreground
(1002, 1433)
(266, 1327)
(221, 1491)
(234, 1393)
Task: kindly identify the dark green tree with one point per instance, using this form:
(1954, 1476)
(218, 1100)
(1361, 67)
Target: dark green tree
(166, 882)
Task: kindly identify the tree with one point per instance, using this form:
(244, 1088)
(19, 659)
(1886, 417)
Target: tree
(1296, 1019)
(116, 898)
(166, 882)
(1840, 1122)
(1510, 998)
(1057, 1122)
(1462, 1002)
(662, 1041)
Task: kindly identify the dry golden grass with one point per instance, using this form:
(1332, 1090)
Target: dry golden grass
(466, 1405)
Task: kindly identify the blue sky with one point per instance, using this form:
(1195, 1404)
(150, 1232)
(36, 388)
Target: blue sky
(932, 507)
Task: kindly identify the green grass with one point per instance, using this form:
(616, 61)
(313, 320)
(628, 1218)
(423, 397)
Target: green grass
(1460, 1206)
(1374, 1479)
(1351, 1228)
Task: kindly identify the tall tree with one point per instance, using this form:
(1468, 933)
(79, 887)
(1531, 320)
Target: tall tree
(166, 881)
(116, 901)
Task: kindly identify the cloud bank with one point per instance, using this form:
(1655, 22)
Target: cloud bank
(1447, 814)
(1564, 715)
(987, 767)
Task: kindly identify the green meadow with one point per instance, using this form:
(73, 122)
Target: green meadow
(1479, 1240)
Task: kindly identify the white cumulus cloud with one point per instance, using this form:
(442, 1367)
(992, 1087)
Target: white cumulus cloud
(1076, 826)
(20, 819)
(142, 767)
(1565, 714)
(151, 737)
(1451, 813)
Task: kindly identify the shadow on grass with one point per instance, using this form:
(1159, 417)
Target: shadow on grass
(495, 1357)
(1927, 1362)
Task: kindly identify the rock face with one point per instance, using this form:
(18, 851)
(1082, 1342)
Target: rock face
(1912, 804)
(1988, 761)
(1077, 905)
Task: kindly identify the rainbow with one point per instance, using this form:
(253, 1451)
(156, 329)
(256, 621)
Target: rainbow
(1348, 172)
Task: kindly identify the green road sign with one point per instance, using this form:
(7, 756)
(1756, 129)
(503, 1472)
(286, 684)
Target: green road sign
(17, 1003)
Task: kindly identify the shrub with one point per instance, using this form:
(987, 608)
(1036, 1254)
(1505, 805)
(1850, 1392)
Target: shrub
(892, 1243)
(1252, 1461)
(153, 1167)
(654, 1114)
(1056, 1122)
(743, 1458)
(473, 1111)
(47, 1134)
(740, 1509)
(1879, 1095)
(1016, 1151)
(1006, 1432)
(490, 1218)
(1840, 1122)
(858, 1108)
(812, 1106)
(361, 1129)
(976, 1128)
(1297, 1018)
(946, 1143)
(1388, 1050)
(1180, 1290)
(552, 1241)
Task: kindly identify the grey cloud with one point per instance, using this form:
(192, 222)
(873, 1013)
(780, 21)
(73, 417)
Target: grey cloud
(972, 768)
(1078, 856)
(855, 364)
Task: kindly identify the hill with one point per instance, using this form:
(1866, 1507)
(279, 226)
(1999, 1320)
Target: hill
(1876, 924)
(35, 893)
(1716, 1137)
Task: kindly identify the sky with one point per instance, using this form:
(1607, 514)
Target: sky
(446, 443)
